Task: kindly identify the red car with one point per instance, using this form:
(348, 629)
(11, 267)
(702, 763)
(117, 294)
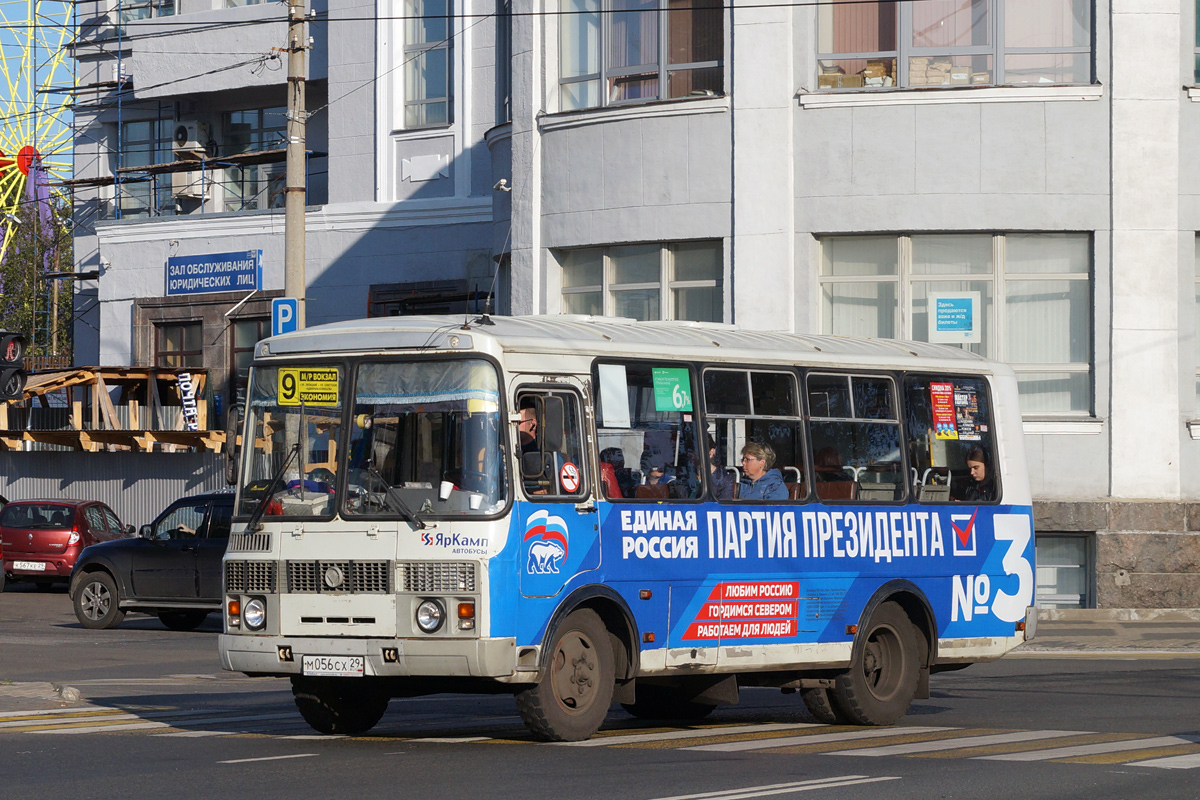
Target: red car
(40, 539)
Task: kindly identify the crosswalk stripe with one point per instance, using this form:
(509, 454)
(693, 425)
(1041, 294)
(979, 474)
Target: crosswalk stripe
(1089, 749)
(953, 744)
(729, 730)
(817, 738)
(133, 726)
(1191, 761)
(782, 788)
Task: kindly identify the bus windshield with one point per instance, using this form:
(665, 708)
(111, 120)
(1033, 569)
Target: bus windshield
(295, 415)
(425, 437)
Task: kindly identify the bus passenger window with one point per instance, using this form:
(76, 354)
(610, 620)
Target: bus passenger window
(855, 433)
(549, 444)
(756, 429)
(950, 443)
(646, 432)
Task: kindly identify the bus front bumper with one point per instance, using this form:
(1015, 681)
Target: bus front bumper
(284, 655)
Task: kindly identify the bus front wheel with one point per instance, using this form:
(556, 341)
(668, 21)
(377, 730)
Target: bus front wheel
(571, 699)
(882, 680)
(339, 705)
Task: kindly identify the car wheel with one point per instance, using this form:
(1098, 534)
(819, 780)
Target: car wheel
(183, 620)
(96, 602)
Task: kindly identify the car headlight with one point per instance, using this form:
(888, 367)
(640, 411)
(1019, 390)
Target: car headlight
(430, 616)
(254, 614)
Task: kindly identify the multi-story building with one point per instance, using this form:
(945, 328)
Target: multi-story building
(820, 166)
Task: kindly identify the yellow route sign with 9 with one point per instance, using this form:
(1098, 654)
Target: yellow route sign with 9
(312, 387)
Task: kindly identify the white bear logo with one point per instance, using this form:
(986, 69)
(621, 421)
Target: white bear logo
(545, 557)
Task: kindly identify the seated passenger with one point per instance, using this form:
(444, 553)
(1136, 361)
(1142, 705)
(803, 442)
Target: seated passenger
(760, 481)
(722, 481)
(982, 488)
(828, 463)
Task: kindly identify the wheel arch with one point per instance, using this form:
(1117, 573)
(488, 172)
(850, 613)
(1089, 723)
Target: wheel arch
(614, 612)
(92, 567)
(916, 605)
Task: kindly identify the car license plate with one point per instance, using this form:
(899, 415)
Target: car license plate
(30, 566)
(334, 666)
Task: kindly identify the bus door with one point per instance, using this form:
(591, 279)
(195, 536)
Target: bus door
(557, 523)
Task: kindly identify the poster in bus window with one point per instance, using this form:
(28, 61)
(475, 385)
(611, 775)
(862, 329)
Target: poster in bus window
(941, 401)
(966, 412)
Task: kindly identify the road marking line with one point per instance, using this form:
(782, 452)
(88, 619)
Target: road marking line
(819, 738)
(134, 726)
(782, 788)
(953, 744)
(453, 739)
(1089, 749)
(267, 758)
(17, 722)
(691, 733)
(1191, 761)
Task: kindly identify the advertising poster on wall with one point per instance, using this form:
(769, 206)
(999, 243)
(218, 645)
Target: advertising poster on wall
(954, 318)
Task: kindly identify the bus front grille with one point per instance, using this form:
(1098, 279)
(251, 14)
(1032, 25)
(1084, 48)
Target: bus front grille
(436, 576)
(249, 576)
(311, 577)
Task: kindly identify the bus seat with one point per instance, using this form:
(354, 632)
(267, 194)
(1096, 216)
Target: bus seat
(796, 490)
(657, 491)
(934, 494)
(608, 474)
(877, 491)
(837, 490)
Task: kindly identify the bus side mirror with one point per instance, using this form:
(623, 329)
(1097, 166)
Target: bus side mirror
(233, 424)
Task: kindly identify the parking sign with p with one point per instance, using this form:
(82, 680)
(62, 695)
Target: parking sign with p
(283, 315)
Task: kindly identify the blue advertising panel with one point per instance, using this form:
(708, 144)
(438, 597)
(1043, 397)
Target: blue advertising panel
(762, 574)
(214, 272)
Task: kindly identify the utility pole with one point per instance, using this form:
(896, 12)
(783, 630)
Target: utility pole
(293, 218)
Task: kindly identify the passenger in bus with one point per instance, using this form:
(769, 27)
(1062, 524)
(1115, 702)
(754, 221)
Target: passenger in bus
(625, 477)
(721, 481)
(982, 488)
(658, 475)
(528, 428)
(760, 479)
(828, 463)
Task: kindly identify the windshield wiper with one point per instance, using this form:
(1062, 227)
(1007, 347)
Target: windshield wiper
(255, 524)
(393, 497)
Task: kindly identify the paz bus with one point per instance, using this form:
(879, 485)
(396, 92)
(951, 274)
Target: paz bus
(581, 511)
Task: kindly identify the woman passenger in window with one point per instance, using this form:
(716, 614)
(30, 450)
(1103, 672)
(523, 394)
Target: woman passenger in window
(982, 488)
(760, 481)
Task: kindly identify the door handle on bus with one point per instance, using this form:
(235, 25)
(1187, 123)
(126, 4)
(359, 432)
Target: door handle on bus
(586, 507)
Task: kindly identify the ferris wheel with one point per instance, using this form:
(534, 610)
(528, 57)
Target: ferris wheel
(36, 76)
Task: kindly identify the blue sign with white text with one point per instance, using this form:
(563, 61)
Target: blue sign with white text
(954, 314)
(214, 272)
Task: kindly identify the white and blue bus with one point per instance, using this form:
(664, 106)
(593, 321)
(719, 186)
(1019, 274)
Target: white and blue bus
(583, 510)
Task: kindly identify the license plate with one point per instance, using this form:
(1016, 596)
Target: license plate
(30, 566)
(333, 666)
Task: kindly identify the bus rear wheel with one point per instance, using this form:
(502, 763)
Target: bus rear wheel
(571, 699)
(339, 705)
(820, 705)
(882, 680)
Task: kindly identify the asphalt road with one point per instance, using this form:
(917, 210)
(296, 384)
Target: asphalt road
(158, 718)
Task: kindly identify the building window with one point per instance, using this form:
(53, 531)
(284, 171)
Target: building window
(504, 32)
(910, 44)
(1034, 294)
(134, 10)
(178, 344)
(430, 297)
(258, 185)
(631, 51)
(1064, 570)
(143, 144)
(427, 73)
(246, 334)
(681, 280)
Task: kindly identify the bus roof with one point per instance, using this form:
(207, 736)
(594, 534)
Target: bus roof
(576, 334)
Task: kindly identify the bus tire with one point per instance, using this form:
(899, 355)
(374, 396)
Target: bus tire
(182, 620)
(338, 705)
(571, 698)
(882, 680)
(665, 702)
(819, 704)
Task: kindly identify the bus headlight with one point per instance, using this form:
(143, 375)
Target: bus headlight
(430, 616)
(254, 614)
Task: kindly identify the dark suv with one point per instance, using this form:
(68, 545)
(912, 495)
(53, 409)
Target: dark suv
(172, 569)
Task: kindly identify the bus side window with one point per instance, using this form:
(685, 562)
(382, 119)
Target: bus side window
(549, 441)
(855, 434)
(949, 426)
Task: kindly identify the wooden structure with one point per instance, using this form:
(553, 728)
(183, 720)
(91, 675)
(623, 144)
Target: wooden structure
(146, 414)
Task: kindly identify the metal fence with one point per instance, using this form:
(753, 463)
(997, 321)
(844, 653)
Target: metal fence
(136, 485)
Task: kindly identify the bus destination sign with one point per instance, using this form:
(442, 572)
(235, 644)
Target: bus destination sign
(310, 387)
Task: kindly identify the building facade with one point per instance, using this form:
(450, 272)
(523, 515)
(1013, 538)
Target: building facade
(835, 167)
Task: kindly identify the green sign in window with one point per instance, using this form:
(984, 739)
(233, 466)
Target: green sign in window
(672, 389)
